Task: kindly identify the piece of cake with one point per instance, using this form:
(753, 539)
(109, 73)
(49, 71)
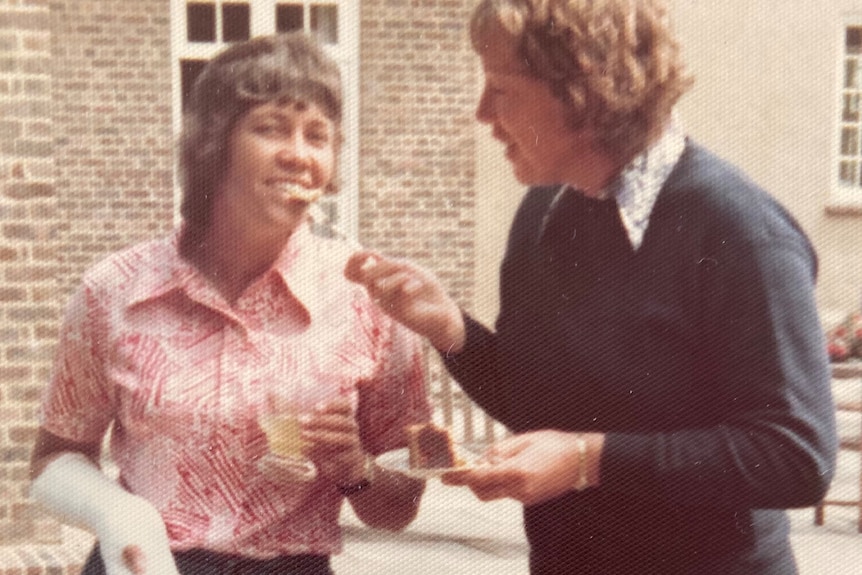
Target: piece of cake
(299, 192)
(431, 447)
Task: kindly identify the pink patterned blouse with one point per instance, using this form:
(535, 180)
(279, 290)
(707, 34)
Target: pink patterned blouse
(150, 346)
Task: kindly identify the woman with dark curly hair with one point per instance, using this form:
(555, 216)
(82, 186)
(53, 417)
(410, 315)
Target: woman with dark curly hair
(658, 353)
(196, 348)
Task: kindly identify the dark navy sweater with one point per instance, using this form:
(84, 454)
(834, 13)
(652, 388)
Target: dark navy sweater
(700, 355)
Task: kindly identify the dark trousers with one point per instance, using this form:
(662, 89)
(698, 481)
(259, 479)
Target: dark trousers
(201, 562)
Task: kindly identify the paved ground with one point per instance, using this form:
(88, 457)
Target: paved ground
(836, 546)
(455, 534)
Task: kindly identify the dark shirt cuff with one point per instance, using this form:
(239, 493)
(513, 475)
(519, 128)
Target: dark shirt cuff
(473, 331)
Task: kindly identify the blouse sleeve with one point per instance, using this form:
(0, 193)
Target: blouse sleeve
(396, 396)
(77, 403)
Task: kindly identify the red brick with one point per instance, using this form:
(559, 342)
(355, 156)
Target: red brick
(12, 294)
(25, 20)
(10, 374)
(22, 434)
(28, 190)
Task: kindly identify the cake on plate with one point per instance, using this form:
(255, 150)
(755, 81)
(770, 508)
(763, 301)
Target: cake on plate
(430, 447)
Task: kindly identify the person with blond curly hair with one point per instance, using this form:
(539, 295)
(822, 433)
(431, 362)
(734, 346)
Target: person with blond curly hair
(658, 354)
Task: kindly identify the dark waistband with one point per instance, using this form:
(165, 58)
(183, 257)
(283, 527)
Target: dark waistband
(203, 562)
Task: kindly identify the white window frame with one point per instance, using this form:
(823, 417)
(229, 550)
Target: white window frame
(842, 194)
(345, 53)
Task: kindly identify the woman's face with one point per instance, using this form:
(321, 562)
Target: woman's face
(276, 148)
(530, 121)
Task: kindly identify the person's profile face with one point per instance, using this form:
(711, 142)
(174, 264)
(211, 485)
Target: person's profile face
(276, 150)
(527, 117)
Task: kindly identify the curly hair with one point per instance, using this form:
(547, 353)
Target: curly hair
(615, 63)
(281, 68)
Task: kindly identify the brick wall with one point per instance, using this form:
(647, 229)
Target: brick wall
(417, 145)
(86, 169)
(28, 225)
(112, 123)
(418, 78)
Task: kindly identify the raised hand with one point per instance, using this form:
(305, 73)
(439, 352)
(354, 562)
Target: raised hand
(331, 437)
(412, 296)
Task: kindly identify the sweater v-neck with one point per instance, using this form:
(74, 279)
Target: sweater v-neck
(585, 242)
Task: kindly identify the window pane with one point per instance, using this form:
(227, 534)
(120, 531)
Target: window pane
(324, 22)
(853, 40)
(288, 17)
(851, 108)
(849, 142)
(235, 22)
(200, 20)
(851, 73)
(189, 72)
(847, 172)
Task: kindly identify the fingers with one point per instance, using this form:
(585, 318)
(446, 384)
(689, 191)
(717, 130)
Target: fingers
(366, 266)
(282, 470)
(491, 493)
(383, 278)
(487, 484)
(505, 449)
(325, 433)
(340, 405)
(456, 478)
(387, 286)
(333, 416)
(330, 432)
(499, 475)
(134, 560)
(359, 263)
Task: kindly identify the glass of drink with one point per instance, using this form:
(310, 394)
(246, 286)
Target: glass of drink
(285, 461)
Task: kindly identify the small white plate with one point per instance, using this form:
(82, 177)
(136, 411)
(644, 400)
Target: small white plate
(398, 460)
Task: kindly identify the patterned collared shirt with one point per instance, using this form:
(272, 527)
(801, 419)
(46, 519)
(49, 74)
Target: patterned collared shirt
(150, 346)
(638, 185)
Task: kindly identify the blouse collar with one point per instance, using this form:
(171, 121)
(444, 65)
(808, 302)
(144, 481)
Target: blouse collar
(636, 188)
(299, 265)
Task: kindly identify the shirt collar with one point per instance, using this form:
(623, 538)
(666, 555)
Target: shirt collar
(164, 270)
(636, 188)
(298, 266)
